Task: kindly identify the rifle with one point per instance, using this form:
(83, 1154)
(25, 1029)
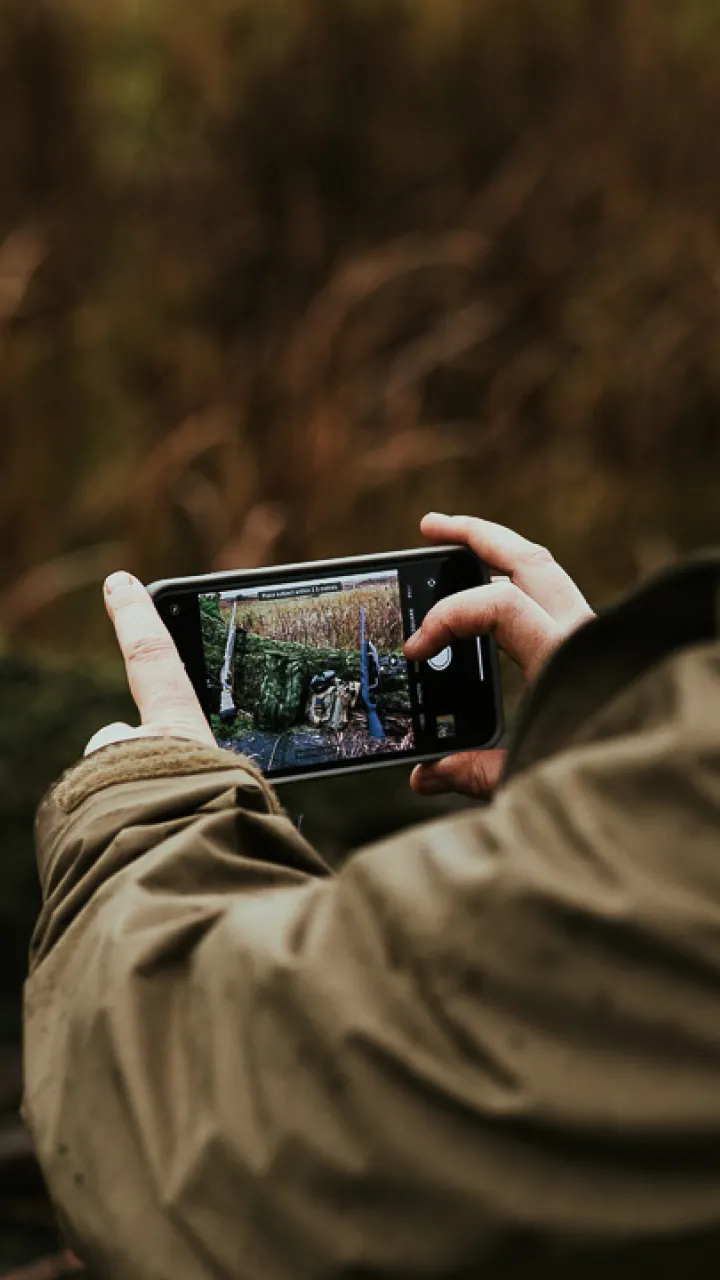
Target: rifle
(367, 649)
(228, 710)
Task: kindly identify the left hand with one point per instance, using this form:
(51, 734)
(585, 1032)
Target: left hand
(159, 683)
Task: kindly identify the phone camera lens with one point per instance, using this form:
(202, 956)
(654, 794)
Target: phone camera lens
(174, 609)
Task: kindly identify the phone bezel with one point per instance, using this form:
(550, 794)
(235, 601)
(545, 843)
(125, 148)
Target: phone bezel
(281, 573)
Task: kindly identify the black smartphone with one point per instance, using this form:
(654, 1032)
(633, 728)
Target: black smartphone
(300, 667)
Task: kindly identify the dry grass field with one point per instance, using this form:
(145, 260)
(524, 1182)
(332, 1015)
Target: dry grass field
(330, 621)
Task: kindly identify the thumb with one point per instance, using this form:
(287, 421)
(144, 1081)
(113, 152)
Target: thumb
(158, 681)
(470, 773)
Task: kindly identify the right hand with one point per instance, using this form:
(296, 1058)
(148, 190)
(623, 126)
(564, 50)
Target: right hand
(530, 613)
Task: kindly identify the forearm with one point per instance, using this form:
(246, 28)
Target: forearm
(126, 803)
(135, 874)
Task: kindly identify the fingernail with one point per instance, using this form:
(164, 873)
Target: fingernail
(439, 515)
(120, 579)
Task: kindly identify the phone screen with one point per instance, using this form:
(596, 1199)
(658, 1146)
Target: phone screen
(306, 673)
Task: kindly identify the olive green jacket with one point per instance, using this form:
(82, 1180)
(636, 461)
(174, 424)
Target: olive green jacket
(487, 1047)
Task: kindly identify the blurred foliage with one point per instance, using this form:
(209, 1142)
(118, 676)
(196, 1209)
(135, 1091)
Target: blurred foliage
(277, 275)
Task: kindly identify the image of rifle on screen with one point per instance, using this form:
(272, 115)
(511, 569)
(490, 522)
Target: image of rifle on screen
(369, 686)
(228, 710)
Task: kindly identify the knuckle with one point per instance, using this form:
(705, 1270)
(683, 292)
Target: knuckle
(486, 771)
(435, 621)
(172, 701)
(506, 595)
(479, 773)
(449, 618)
(538, 555)
(443, 611)
(554, 637)
(148, 648)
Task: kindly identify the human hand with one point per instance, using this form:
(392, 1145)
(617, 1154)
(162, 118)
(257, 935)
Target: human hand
(159, 683)
(530, 612)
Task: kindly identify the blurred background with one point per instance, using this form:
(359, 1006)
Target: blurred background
(277, 276)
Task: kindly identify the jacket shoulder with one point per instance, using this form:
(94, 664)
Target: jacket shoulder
(673, 612)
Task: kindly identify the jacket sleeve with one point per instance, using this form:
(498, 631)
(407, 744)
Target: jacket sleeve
(484, 1042)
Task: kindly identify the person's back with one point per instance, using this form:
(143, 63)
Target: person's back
(489, 1046)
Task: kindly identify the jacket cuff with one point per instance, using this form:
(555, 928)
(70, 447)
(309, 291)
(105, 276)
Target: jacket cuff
(140, 759)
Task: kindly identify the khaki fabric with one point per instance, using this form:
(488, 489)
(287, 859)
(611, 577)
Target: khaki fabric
(488, 1047)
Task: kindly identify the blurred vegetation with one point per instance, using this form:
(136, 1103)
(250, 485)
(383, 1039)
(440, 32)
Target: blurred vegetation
(276, 276)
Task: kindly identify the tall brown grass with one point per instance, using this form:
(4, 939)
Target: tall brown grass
(275, 277)
(330, 621)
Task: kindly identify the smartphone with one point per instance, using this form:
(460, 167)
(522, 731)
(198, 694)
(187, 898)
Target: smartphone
(300, 667)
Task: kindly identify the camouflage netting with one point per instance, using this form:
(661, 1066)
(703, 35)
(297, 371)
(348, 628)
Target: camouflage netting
(273, 681)
(272, 677)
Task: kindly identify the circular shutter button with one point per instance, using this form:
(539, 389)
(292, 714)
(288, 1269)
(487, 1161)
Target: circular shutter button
(442, 660)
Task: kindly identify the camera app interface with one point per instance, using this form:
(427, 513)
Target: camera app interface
(308, 673)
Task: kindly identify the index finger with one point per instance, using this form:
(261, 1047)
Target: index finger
(531, 566)
(522, 628)
(157, 677)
